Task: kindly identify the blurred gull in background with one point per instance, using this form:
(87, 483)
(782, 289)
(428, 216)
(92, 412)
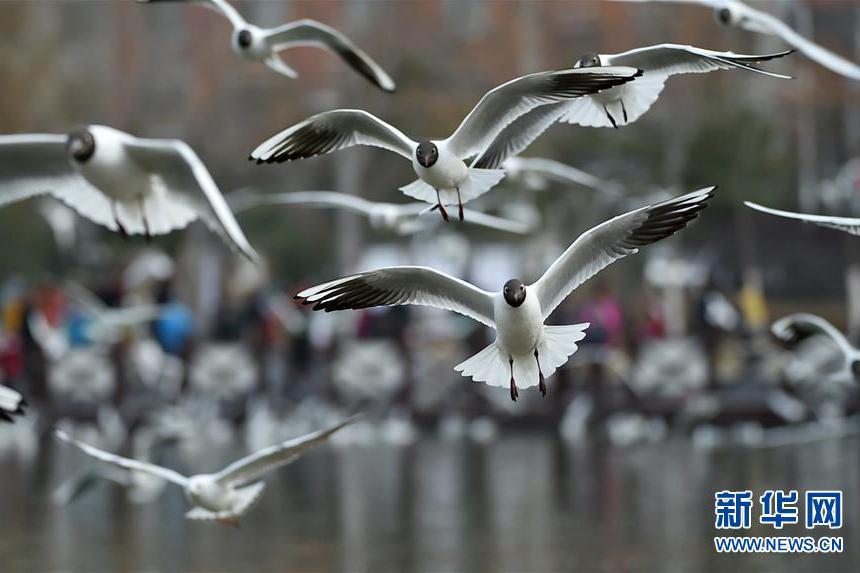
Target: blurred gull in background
(125, 183)
(850, 225)
(263, 44)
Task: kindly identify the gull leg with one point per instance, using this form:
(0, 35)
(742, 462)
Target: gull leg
(439, 204)
(146, 232)
(624, 110)
(119, 225)
(460, 203)
(542, 383)
(514, 393)
(611, 119)
(232, 521)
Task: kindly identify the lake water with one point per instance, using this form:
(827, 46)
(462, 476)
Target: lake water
(526, 502)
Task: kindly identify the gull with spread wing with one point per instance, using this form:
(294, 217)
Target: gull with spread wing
(443, 176)
(739, 15)
(627, 103)
(227, 495)
(850, 225)
(125, 183)
(403, 219)
(11, 403)
(786, 328)
(525, 348)
(265, 44)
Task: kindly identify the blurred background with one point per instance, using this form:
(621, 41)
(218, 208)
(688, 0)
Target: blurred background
(678, 391)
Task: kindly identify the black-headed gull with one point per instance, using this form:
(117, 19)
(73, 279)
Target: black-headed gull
(11, 403)
(443, 176)
(403, 219)
(737, 14)
(125, 183)
(848, 224)
(264, 44)
(786, 328)
(525, 349)
(535, 171)
(625, 104)
(227, 495)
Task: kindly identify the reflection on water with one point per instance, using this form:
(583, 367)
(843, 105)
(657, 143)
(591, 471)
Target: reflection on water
(526, 502)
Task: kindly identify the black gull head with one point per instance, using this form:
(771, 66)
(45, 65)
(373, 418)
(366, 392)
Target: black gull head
(427, 153)
(514, 292)
(81, 145)
(588, 60)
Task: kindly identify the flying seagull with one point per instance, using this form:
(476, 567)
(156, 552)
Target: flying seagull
(444, 177)
(525, 348)
(739, 15)
(125, 183)
(265, 44)
(403, 219)
(785, 329)
(227, 495)
(848, 224)
(625, 104)
(540, 170)
(11, 403)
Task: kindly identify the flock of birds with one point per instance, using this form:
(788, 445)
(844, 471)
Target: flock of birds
(138, 186)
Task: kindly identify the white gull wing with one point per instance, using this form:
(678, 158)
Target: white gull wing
(519, 134)
(560, 172)
(472, 217)
(402, 285)
(672, 59)
(621, 236)
(313, 33)
(37, 164)
(848, 224)
(320, 199)
(122, 462)
(186, 182)
(330, 131)
(252, 467)
(783, 327)
(505, 103)
(11, 402)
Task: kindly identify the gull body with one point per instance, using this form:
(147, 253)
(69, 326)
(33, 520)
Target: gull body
(227, 495)
(125, 183)
(444, 178)
(737, 14)
(525, 349)
(263, 45)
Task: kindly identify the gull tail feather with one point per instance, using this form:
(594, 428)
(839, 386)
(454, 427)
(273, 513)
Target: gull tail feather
(492, 366)
(479, 182)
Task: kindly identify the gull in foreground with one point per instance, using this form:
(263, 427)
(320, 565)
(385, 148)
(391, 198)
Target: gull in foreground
(525, 348)
(786, 328)
(404, 219)
(264, 44)
(443, 176)
(739, 15)
(848, 224)
(627, 103)
(227, 495)
(125, 183)
(11, 403)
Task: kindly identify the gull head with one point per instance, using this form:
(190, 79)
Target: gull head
(80, 145)
(514, 292)
(588, 60)
(427, 154)
(244, 39)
